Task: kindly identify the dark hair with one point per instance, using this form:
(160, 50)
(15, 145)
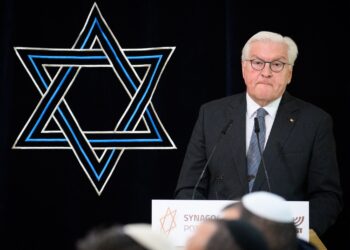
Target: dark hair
(279, 235)
(236, 235)
(221, 239)
(112, 238)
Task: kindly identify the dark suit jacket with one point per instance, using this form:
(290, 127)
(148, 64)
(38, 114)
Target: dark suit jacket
(299, 155)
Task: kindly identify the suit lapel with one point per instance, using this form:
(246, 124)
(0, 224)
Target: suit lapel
(236, 111)
(284, 122)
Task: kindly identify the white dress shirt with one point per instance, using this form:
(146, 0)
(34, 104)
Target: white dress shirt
(252, 107)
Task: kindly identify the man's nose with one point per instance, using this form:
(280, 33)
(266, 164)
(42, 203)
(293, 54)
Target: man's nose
(266, 71)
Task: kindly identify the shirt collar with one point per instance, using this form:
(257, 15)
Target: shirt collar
(270, 108)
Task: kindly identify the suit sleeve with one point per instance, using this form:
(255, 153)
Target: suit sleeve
(193, 164)
(324, 188)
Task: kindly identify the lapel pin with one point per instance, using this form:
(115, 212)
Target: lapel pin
(291, 120)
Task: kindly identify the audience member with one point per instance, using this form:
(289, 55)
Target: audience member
(128, 237)
(271, 214)
(226, 235)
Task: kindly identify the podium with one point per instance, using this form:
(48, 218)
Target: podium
(178, 219)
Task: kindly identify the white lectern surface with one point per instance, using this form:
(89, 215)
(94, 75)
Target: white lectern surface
(178, 219)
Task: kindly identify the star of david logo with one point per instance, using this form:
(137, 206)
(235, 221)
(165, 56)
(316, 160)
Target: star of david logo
(53, 124)
(168, 221)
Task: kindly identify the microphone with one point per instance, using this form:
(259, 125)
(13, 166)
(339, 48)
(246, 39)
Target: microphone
(257, 131)
(223, 132)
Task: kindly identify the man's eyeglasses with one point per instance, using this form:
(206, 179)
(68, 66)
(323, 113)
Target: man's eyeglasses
(275, 66)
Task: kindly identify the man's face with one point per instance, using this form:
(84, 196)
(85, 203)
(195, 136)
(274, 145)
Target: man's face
(265, 86)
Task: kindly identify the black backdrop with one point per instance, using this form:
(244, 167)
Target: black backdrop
(46, 200)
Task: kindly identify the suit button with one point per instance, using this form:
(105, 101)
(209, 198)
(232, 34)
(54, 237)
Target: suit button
(219, 178)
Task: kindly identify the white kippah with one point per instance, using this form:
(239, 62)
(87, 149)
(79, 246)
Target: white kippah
(147, 237)
(269, 206)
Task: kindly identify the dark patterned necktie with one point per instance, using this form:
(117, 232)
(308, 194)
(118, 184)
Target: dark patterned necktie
(253, 155)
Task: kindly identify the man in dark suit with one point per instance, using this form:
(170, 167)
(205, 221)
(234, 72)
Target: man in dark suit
(298, 148)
